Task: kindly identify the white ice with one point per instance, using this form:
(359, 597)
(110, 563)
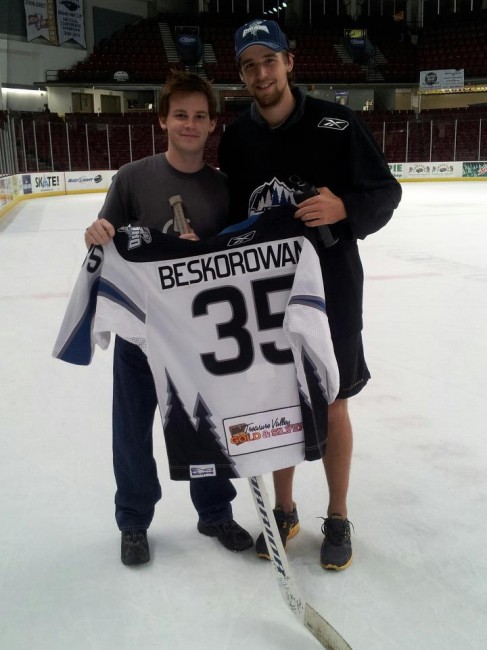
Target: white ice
(418, 496)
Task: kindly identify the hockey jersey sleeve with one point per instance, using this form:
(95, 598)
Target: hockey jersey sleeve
(106, 298)
(307, 329)
(76, 339)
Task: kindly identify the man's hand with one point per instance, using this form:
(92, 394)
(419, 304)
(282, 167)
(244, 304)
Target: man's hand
(321, 210)
(100, 232)
(190, 235)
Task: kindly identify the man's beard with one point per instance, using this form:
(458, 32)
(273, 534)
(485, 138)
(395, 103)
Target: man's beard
(269, 100)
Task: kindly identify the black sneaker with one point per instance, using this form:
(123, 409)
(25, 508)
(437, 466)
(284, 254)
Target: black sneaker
(228, 533)
(135, 547)
(288, 525)
(336, 549)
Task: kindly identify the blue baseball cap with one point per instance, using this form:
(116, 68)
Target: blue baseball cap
(260, 32)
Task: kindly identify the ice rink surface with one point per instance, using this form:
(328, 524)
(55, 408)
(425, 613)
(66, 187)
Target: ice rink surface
(418, 496)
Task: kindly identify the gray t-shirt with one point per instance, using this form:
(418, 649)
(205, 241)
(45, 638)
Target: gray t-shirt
(140, 191)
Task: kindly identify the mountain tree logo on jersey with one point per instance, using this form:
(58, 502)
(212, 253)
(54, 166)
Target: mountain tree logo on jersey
(270, 195)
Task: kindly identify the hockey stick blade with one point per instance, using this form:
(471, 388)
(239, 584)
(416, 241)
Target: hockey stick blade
(309, 617)
(323, 631)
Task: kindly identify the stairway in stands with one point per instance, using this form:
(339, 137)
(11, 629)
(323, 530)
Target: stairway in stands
(168, 42)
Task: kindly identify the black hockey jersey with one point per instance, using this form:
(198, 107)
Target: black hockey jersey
(236, 334)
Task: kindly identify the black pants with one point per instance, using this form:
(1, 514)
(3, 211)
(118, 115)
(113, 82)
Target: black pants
(138, 487)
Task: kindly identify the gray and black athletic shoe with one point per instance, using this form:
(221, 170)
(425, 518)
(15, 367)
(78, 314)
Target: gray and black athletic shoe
(230, 534)
(135, 547)
(288, 526)
(336, 549)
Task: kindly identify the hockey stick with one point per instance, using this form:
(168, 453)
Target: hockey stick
(309, 617)
(180, 223)
(316, 624)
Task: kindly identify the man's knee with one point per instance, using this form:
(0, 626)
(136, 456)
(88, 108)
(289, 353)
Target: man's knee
(337, 412)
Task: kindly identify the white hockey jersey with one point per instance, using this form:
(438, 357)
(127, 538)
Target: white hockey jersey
(236, 335)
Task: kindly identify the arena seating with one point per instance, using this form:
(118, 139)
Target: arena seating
(397, 54)
(136, 49)
(84, 141)
(433, 135)
(93, 141)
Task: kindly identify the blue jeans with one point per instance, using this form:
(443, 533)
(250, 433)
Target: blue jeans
(138, 487)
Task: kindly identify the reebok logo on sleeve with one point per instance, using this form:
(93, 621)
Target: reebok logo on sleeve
(333, 123)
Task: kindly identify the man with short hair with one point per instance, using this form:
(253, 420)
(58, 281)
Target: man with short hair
(140, 196)
(285, 144)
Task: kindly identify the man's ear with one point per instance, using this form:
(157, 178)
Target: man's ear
(290, 61)
(212, 126)
(162, 122)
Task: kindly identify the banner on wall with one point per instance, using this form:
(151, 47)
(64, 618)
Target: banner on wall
(441, 79)
(5, 190)
(70, 21)
(474, 170)
(426, 170)
(91, 181)
(40, 21)
(42, 183)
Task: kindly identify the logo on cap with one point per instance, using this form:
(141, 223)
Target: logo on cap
(260, 32)
(254, 28)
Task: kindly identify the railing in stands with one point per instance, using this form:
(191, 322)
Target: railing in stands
(98, 142)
